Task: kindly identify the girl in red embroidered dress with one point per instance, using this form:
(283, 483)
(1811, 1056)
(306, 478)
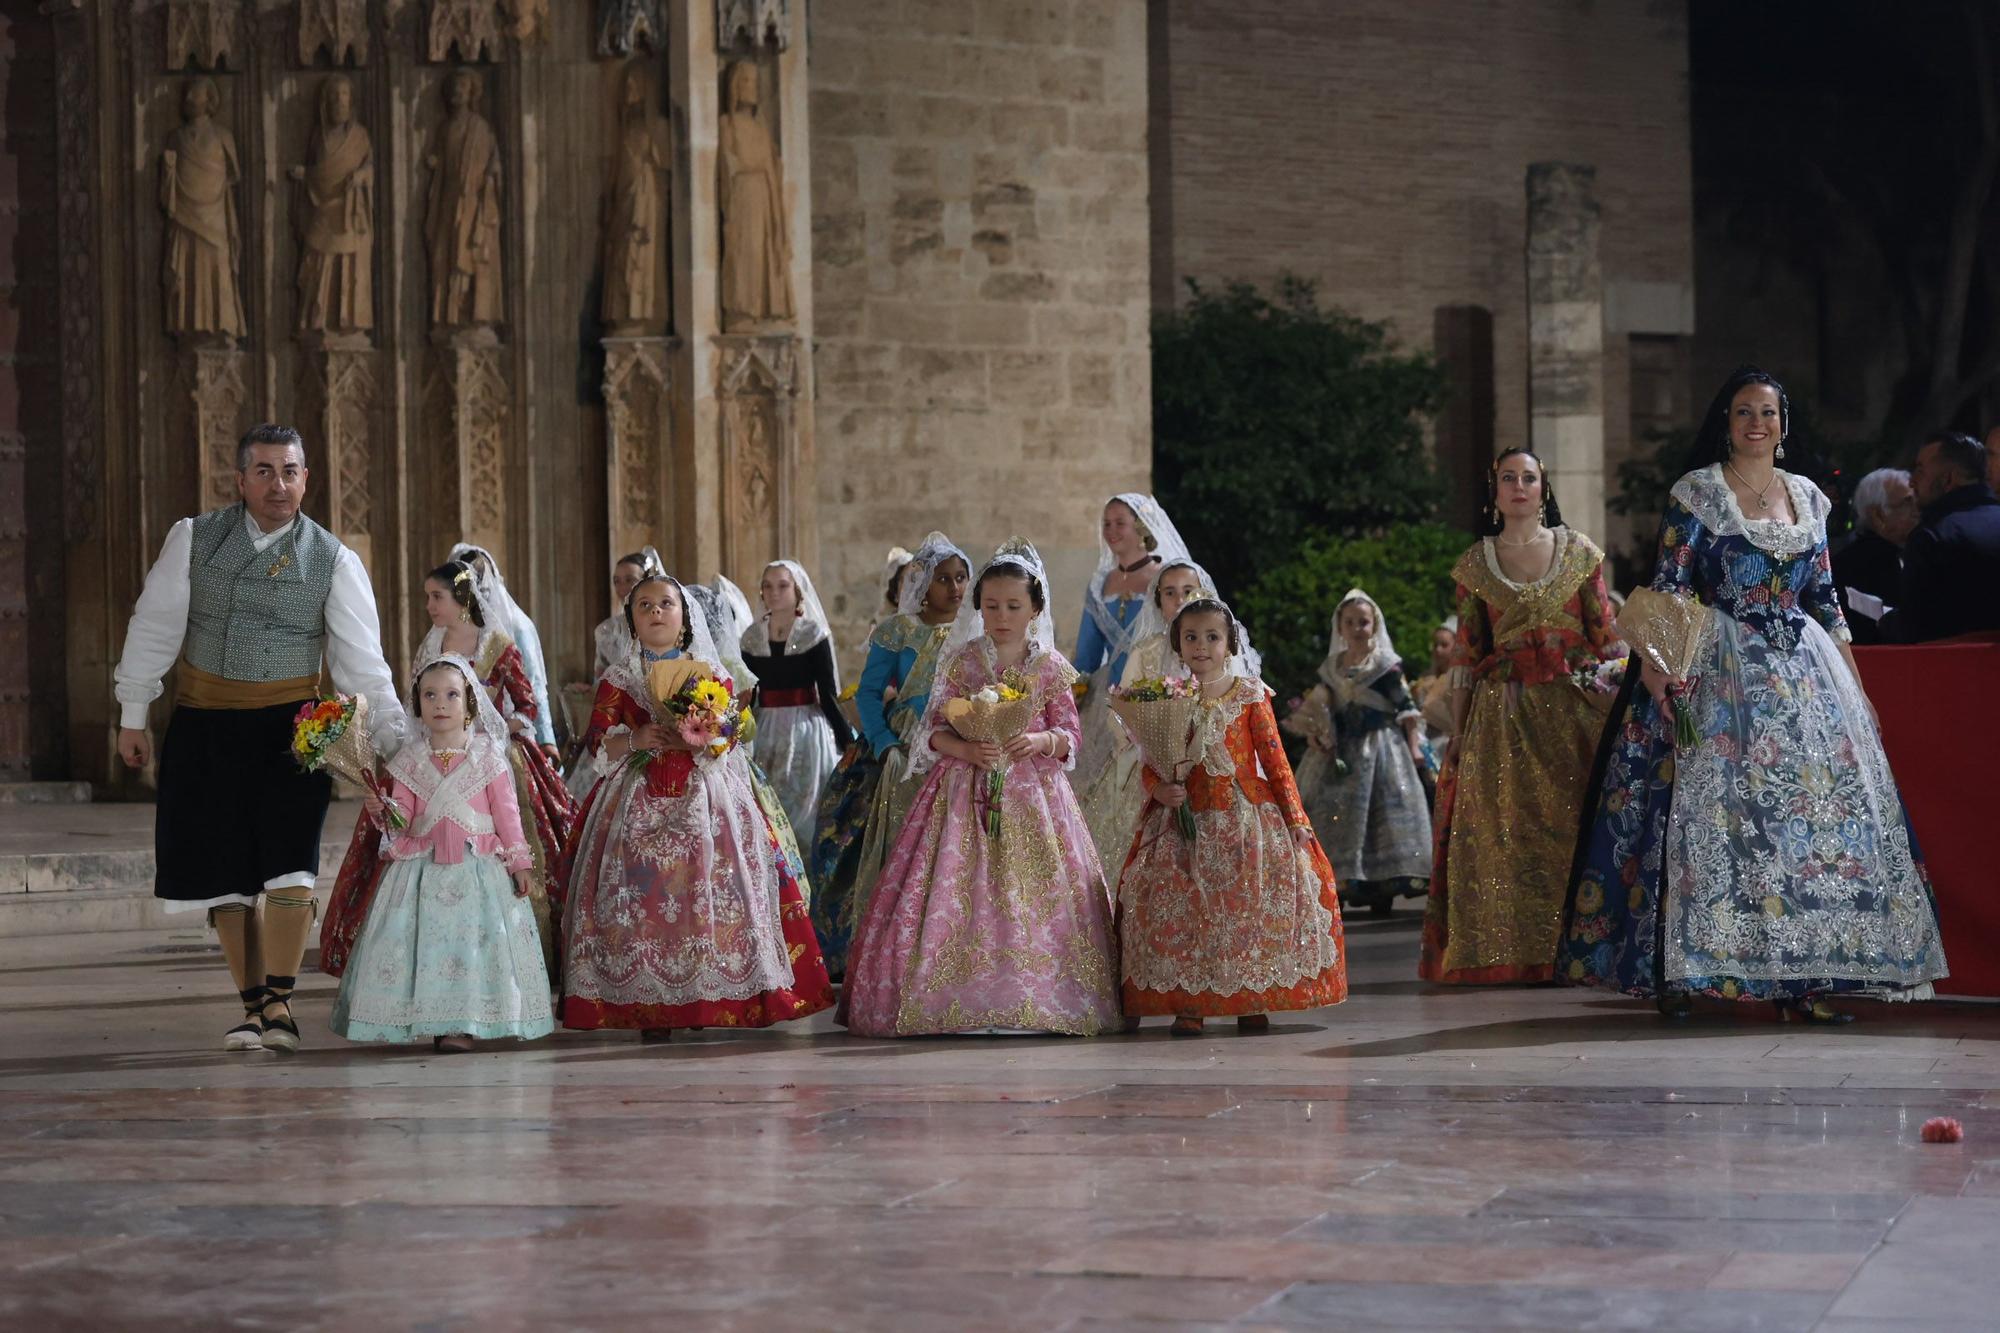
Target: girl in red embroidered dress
(678, 909)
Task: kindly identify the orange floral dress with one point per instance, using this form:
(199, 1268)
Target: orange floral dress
(1242, 920)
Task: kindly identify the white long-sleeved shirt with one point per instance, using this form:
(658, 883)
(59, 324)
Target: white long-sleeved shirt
(353, 635)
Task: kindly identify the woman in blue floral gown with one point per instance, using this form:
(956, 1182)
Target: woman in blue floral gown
(1772, 860)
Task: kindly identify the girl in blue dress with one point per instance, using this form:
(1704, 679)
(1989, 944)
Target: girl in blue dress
(1136, 541)
(867, 798)
(1771, 860)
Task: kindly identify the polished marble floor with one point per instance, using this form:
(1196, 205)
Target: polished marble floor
(1415, 1158)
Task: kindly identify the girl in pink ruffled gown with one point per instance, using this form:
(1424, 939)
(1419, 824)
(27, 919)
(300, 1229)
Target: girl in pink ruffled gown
(972, 930)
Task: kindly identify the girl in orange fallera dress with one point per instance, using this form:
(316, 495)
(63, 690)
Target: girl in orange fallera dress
(1244, 919)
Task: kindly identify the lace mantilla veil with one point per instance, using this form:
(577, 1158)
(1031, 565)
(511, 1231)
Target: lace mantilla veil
(934, 550)
(1167, 545)
(1014, 554)
(808, 629)
(1381, 653)
(1247, 664)
(485, 722)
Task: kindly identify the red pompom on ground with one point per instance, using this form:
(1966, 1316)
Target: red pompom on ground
(1942, 1129)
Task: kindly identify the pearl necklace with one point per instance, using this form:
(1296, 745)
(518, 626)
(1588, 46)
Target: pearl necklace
(447, 755)
(1540, 532)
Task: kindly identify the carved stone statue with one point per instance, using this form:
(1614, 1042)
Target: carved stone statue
(756, 246)
(528, 20)
(336, 261)
(198, 175)
(473, 26)
(635, 230)
(462, 212)
(340, 27)
(624, 25)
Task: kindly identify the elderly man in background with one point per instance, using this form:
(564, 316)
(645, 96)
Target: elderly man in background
(1869, 561)
(1951, 564)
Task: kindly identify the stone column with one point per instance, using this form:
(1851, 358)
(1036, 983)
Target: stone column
(216, 395)
(743, 411)
(339, 391)
(640, 474)
(1566, 338)
(469, 404)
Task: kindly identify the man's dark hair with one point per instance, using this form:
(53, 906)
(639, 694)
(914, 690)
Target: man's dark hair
(267, 433)
(1962, 454)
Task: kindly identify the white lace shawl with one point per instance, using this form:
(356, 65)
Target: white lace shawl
(1705, 493)
(448, 795)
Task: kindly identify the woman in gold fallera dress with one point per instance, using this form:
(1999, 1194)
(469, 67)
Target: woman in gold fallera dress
(1534, 622)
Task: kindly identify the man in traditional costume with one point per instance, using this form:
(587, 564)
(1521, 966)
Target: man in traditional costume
(246, 603)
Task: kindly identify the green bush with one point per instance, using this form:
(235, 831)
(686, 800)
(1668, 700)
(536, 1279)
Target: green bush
(1407, 569)
(1275, 420)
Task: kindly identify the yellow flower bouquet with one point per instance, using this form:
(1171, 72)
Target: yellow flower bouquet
(997, 713)
(700, 708)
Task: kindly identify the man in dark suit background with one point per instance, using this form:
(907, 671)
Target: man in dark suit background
(1869, 560)
(1951, 564)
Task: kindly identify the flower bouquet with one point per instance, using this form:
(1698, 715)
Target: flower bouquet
(1600, 682)
(1163, 716)
(333, 735)
(1669, 632)
(998, 713)
(699, 708)
(1311, 718)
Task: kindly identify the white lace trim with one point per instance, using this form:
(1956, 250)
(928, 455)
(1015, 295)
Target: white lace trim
(1706, 494)
(1216, 720)
(449, 795)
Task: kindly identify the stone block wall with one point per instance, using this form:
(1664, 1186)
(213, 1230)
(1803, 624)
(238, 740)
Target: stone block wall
(1383, 149)
(979, 180)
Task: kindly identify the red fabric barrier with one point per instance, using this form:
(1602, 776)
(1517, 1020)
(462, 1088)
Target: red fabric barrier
(1941, 727)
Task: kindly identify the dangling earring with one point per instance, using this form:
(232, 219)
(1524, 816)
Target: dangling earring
(464, 614)
(1780, 451)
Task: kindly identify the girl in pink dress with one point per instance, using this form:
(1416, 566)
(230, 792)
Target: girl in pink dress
(978, 924)
(449, 949)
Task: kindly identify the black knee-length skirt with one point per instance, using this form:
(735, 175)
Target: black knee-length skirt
(235, 811)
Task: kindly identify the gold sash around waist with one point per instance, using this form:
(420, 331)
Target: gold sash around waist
(195, 688)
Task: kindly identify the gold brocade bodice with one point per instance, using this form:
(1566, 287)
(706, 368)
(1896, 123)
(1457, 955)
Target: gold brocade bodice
(1517, 609)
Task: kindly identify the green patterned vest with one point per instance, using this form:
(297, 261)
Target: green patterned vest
(257, 615)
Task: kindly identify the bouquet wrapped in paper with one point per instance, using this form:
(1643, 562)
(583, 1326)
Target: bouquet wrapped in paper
(1163, 717)
(1311, 719)
(1668, 632)
(699, 708)
(998, 714)
(333, 735)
